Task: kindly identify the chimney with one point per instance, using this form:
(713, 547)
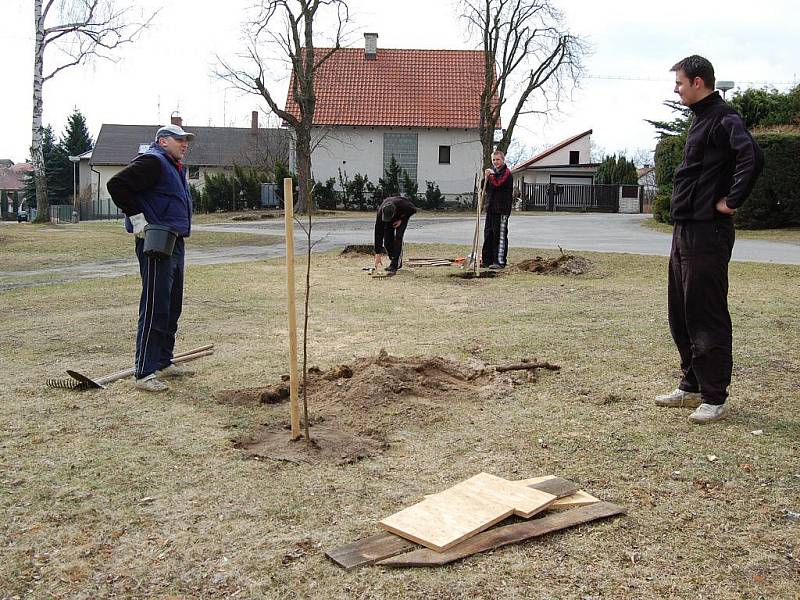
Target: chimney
(176, 120)
(370, 46)
(254, 121)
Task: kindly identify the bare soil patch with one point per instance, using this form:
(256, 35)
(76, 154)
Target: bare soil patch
(471, 275)
(565, 264)
(356, 407)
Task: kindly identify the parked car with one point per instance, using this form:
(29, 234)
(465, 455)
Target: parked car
(22, 216)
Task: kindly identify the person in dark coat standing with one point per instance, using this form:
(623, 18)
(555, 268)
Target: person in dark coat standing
(154, 189)
(721, 163)
(391, 221)
(498, 199)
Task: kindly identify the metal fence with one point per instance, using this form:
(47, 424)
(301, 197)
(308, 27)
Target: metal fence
(95, 209)
(565, 197)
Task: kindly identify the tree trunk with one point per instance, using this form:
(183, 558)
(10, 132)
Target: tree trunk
(37, 153)
(303, 150)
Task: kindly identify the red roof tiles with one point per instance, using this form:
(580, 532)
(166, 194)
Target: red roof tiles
(400, 88)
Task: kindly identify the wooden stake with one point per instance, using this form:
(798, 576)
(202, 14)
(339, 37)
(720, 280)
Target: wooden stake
(288, 211)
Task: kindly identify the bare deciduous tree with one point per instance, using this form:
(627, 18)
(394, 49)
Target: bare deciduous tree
(295, 36)
(527, 52)
(81, 30)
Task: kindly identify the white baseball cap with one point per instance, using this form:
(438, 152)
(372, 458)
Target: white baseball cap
(174, 131)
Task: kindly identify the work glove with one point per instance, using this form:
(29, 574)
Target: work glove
(139, 223)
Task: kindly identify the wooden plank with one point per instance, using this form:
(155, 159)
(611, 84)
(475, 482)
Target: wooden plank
(502, 536)
(579, 498)
(449, 517)
(385, 545)
(369, 550)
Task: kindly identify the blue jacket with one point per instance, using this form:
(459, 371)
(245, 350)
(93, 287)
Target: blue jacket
(166, 201)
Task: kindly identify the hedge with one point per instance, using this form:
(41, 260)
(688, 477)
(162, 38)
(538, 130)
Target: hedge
(775, 201)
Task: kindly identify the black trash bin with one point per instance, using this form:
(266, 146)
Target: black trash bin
(159, 241)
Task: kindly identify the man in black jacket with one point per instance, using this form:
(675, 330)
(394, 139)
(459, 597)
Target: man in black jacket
(497, 199)
(391, 221)
(153, 189)
(721, 163)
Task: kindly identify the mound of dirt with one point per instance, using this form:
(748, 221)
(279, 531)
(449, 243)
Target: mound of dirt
(358, 249)
(566, 264)
(368, 401)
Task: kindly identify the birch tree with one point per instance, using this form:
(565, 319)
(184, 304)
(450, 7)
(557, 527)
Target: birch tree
(529, 55)
(81, 30)
(290, 25)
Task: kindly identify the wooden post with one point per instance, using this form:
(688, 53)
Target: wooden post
(288, 211)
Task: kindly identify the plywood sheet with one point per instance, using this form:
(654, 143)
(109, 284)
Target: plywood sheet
(444, 519)
(525, 501)
(502, 536)
(579, 498)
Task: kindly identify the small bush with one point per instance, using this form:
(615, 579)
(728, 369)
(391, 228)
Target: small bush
(661, 206)
(434, 200)
(323, 195)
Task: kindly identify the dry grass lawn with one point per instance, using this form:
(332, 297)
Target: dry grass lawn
(117, 493)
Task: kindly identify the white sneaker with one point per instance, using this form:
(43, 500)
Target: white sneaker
(150, 384)
(708, 413)
(680, 398)
(173, 370)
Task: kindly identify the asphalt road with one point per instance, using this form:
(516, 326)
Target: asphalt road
(581, 232)
(588, 232)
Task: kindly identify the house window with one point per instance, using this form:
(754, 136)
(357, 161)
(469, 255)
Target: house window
(194, 172)
(403, 146)
(444, 155)
(574, 157)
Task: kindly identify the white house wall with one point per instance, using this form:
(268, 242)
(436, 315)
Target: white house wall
(561, 156)
(360, 150)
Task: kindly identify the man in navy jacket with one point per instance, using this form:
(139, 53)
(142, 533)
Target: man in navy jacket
(153, 189)
(721, 163)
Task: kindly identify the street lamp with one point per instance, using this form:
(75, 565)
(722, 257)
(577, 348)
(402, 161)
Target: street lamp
(74, 160)
(724, 86)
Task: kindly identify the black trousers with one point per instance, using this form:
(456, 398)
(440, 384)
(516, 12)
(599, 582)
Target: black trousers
(495, 240)
(698, 305)
(393, 242)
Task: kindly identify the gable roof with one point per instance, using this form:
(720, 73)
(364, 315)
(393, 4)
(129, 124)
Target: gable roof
(212, 146)
(13, 178)
(530, 162)
(398, 88)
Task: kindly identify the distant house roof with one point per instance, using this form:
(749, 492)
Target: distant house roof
(398, 88)
(12, 178)
(212, 146)
(641, 172)
(532, 162)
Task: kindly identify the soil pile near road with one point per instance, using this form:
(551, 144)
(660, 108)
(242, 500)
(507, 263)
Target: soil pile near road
(355, 249)
(566, 264)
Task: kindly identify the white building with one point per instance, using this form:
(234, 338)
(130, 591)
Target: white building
(420, 106)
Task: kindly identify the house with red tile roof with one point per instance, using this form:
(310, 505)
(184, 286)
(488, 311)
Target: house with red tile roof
(420, 106)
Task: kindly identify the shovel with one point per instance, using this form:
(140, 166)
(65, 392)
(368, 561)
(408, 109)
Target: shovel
(80, 381)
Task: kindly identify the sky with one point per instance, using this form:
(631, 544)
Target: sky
(632, 44)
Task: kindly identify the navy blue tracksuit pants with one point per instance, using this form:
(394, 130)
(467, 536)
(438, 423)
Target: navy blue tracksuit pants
(698, 305)
(159, 308)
